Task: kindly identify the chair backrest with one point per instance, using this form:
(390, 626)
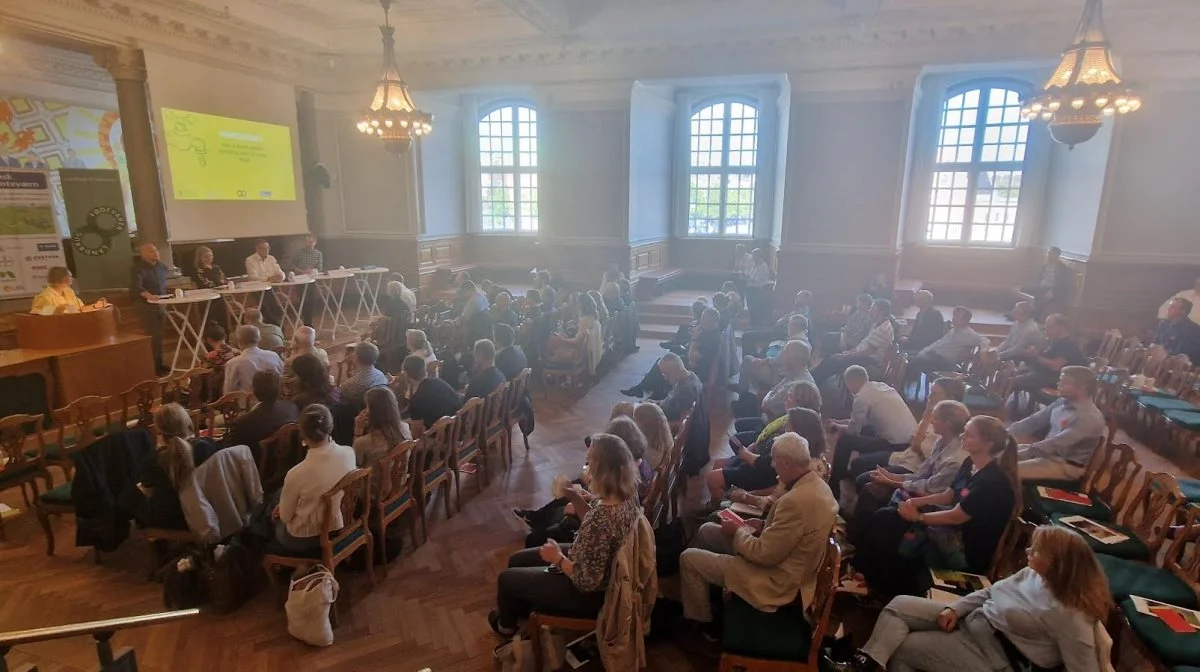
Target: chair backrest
(230, 407)
(895, 366)
(1183, 555)
(1005, 547)
(1154, 362)
(516, 392)
(494, 406)
(351, 495)
(1153, 509)
(1110, 345)
(433, 369)
(1115, 475)
(190, 388)
(278, 454)
(86, 419)
(15, 431)
(466, 425)
(1002, 383)
(437, 444)
(822, 603)
(141, 398)
(395, 470)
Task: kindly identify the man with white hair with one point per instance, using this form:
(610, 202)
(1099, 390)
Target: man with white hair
(1025, 333)
(764, 372)
(793, 364)
(270, 335)
(877, 406)
(486, 377)
(766, 563)
(685, 386)
(304, 342)
(928, 326)
(239, 371)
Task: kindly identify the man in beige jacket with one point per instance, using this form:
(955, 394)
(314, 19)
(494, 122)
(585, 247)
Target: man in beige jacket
(768, 570)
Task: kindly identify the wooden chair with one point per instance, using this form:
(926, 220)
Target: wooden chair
(352, 497)
(138, 402)
(1108, 481)
(574, 371)
(1146, 520)
(76, 426)
(1110, 345)
(278, 454)
(434, 461)
(21, 465)
(466, 445)
(994, 400)
(538, 621)
(227, 409)
(433, 369)
(797, 629)
(397, 491)
(512, 414)
(190, 389)
(492, 431)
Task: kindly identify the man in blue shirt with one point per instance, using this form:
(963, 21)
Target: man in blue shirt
(147, 282)
(1178, 334)
(1072, 428)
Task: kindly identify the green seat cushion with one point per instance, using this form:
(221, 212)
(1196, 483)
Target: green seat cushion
(1130, 549)
(60, 495)
(1190, 488)
(780, 635)
(273, 547)
(1167, 404)
(434, 475)
(1073, 486)
(1185, 419)
(404, 499)
(17, 474)
(1172, 648)
(1127, 577)
(1138, 393)
(1046, 507)
(980, 401)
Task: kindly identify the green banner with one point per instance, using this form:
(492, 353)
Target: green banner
(99, 241)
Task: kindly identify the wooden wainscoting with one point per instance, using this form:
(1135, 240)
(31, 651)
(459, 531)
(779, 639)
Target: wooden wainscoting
(1126, 295)
(439, 259)
(648, 256)
(834, 274)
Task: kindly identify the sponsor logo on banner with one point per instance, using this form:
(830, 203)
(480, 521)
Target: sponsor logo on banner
(29, 235)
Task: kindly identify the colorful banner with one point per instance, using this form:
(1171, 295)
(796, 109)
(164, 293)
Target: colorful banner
(29, 239)
(99, 230)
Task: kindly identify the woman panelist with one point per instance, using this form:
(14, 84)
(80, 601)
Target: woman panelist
(58, 297)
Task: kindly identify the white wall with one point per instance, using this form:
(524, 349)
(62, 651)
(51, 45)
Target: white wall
(651, 130)
(442, 162)
(373, 191)
(784, 115)
(583, 181)
(1076, 190)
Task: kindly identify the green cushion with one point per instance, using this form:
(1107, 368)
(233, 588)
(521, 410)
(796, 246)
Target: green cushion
(344, 543)
(1190, 488)
(60, 495)
(781, 635)
(1167, 404)
(1127, 577)
(1172, 648)
(1186, 419)
(404, 499)
(1130, 549)
(1046, 507)
(434, 475)
(462, 457)
(16, 474)
(273, 548)
(1138, 393)
(980, 401)
(1073, 486)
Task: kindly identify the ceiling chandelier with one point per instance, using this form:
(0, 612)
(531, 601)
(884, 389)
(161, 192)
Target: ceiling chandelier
(393, 117)
(1085, 88)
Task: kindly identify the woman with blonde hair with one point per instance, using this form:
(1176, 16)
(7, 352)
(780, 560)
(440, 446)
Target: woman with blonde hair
(657, 430)
(958, 528)
(418, 344)
(208, 274)
(178, 454)
(377, 430)
(621, 408)
(576, 588)
(1049, 613)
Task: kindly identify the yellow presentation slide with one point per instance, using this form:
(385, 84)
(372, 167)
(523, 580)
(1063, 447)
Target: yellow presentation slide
(222, 159)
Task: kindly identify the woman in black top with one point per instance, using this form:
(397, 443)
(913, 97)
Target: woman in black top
(208, 274)
(312, 383)
(957, 528)
(179, 453)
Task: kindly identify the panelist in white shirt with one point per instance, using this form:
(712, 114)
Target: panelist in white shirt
(262, 267)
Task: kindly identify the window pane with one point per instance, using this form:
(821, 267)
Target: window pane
(739, 205)
(949, 191)
(704, 205)
(498, 202)
(723, 151)
(528, 200)
(508, 155)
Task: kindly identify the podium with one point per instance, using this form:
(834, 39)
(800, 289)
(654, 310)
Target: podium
(66, 330)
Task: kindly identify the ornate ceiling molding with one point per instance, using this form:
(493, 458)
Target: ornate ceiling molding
(56, 66)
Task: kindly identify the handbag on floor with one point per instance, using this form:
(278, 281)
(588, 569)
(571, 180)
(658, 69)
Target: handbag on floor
(516, 655)
(308, 601)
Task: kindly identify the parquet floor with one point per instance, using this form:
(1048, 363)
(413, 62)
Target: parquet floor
(429, 611)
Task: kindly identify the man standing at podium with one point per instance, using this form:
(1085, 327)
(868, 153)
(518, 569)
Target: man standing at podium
(147, 282)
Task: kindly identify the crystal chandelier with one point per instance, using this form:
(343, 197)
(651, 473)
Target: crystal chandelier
(1085, 88)
(393, 117)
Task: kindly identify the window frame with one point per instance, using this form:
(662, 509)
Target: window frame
(724, 171)
(976, 166)
(516, 169)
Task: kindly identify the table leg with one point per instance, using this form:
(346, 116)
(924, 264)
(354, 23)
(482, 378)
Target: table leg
(199, 334)
(363, 285)
(177, 320)
(345, 321)
(375, 311)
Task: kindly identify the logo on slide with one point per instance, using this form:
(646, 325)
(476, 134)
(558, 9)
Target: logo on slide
(95, 238)
(180, 136)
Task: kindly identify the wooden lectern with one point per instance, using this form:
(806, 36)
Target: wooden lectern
(66, 330)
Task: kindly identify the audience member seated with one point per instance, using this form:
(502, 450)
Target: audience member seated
(1042, 366)
(1072, 427)
(751, 413)
(418, 344)
(510, 359)
(502, 311)
(432, 398)
(239, 371)
(1178, 334)
(750, 468)
(58, 297)
(562, 347)
(953, 347)
(870, 351)
(577, 587)
(407, 295)
(684, 384)
(312, 383)
(880, 421)
(759, 286)
(545, 287)
(602, 311)
(1048, 614)
(299, 516)
(487, 377)
(706, 344)
(377, 430)
(267, 416)
(394, 304)
(653, 422)
(683, 334)
(170, 470)
(955, 529)
(911, 459)
(945, 456)
(474, 320)
(270, 335)
(764, 373)
(217, 354)
(1192, 295)
(858, 325)
(623, 427)
(1025, 333)
(304, 342)
(766, 563)
(1051, 287)
(365, 377)
(928, 326)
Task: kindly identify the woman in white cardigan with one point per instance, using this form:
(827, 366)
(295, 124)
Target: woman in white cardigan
(298, 525)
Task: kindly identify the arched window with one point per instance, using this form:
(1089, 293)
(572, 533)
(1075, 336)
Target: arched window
(722, 163)
(978, 167)
(508, 169)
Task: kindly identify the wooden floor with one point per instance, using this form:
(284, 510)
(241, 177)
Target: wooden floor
(429, 611)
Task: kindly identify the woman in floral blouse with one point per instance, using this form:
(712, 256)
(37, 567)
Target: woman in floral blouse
(574, 583)
(219, 352)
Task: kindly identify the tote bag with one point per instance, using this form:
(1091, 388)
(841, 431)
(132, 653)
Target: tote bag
(308, 602)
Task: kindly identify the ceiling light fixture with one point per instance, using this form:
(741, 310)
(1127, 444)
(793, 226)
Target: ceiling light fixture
(393, 117)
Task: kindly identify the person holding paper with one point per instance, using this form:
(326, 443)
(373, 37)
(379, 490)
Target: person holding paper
(1050, 614)
(1072, 426)
(58, 297)
(769, 569)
